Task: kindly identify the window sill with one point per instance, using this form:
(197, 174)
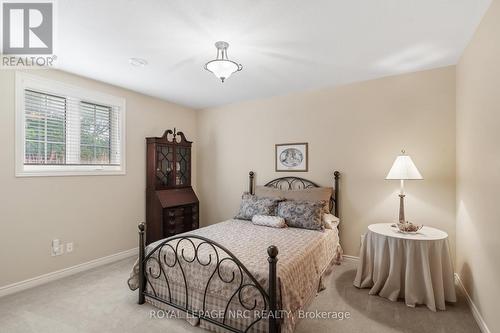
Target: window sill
(65, 170)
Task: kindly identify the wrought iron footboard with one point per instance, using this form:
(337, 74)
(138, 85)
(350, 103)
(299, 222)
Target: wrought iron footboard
(240, 276)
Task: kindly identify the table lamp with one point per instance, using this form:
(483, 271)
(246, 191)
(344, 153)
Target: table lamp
(403, 169)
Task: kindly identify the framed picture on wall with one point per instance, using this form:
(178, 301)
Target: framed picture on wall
(291, 157)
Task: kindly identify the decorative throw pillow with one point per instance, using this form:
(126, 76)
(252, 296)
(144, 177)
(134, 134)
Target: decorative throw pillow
(302, 214)
(269, 221)
(330, 221)
(252, 205)
(308, 194)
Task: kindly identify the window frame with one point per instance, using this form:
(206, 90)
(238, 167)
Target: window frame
(53, 87)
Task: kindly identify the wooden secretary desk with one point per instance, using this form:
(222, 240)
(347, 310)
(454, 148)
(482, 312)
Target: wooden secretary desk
(171, 204)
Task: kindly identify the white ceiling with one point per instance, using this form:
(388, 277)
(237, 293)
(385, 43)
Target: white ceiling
(284, 45)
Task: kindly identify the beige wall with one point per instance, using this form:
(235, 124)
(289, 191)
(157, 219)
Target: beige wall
(357, 129)
(478, 167)
(98, 213)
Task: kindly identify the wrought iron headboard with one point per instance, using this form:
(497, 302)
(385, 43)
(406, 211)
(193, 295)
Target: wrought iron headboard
(297, 183)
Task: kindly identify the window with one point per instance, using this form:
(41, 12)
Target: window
(45, 128)
(95, 130)
(63, 130)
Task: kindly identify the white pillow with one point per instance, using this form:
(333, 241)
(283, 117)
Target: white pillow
(330, 221)
(269, 221)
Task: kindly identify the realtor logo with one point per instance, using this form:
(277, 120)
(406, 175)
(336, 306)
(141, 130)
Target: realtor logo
(27, 28)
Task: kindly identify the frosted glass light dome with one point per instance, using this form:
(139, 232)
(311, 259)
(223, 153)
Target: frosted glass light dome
(222, 67)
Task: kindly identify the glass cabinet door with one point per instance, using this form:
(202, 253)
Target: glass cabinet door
(183, 161)
(164, 165)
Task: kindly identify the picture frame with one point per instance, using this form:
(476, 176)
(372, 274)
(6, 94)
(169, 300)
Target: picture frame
(291, 157)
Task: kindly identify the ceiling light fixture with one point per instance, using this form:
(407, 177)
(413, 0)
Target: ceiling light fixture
(222, 67)
(138, 62)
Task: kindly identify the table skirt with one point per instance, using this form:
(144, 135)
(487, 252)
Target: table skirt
(420, 271)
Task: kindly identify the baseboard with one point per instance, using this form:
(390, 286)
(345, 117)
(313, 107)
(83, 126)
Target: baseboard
(475, 312)
(52, 276)
(350, 258)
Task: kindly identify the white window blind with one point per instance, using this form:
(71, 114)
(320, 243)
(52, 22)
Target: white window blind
(96, 123)
(65, 134)
(45, 134)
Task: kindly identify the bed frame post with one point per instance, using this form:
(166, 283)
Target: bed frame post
(336, 175)
(272, 251)
(142, 276)
(251, 189)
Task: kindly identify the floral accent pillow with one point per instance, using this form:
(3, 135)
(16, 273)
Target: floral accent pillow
(302, 214)
(252, 205)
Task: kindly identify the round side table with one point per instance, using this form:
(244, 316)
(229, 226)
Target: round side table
(416, 267)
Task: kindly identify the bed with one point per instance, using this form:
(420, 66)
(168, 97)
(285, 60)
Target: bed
(222, 278)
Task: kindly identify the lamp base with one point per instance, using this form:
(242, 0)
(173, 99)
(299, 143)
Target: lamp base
(402, 208)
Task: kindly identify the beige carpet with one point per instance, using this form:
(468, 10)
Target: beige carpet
(100, 301)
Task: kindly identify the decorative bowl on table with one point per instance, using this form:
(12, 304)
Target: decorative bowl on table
(409, 227)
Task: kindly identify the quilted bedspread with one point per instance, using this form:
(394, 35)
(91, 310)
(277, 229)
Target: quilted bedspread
(305, 257)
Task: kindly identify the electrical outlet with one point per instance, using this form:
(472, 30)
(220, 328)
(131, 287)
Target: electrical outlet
(57, 248)
(69, 247)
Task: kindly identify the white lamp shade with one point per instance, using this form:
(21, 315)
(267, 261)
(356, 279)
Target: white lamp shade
(404, 168)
